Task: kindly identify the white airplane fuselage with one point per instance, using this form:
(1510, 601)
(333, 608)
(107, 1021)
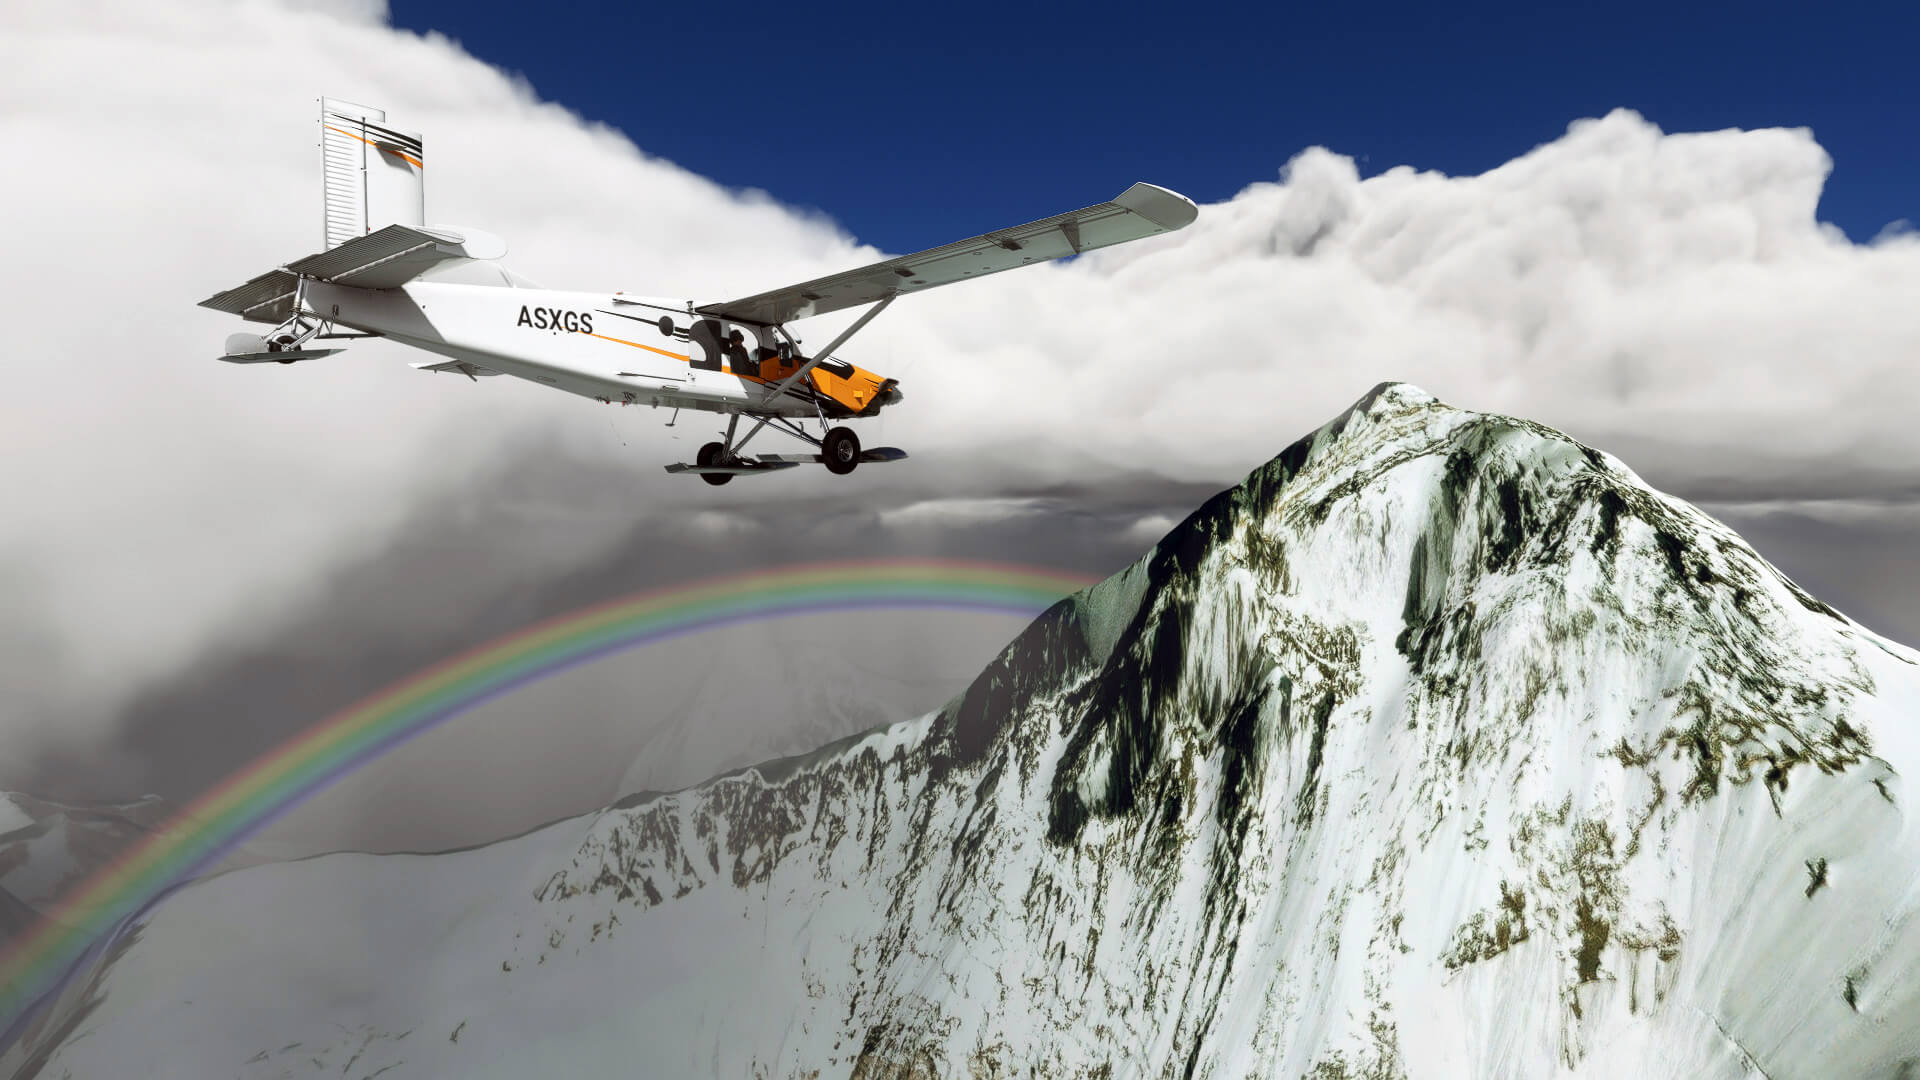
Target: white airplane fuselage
(608, 348)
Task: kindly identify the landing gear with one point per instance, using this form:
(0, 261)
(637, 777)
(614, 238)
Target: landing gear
(840, 451)
(712, 454)
(287, 343)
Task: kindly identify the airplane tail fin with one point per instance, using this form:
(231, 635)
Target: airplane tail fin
(374, 173)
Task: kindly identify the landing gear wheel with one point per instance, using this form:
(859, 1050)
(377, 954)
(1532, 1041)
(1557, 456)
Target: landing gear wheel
(710, 455)
(840, 450)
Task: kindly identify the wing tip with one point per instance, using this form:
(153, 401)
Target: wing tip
(1164, 207)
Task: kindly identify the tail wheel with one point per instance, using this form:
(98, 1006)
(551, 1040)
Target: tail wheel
(710, 455)
(840, 450)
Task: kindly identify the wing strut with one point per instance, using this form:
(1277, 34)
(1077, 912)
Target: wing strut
(863, 320)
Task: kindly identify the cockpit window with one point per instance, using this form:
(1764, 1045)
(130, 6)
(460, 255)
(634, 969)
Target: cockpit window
(707, 334)
(738, 348)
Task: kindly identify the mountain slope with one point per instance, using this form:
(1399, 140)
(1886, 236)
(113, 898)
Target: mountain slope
(1440, 746)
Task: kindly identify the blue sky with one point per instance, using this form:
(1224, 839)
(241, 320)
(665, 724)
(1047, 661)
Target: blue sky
(914, 124)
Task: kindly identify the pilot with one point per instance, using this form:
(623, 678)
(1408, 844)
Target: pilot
(737, 354)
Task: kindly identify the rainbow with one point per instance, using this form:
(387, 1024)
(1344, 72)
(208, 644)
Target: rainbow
(36, 964)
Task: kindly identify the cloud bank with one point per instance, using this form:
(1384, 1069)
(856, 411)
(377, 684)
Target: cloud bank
(1671, 294)
(1670, 297)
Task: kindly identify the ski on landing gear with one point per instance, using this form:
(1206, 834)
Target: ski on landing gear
(719, 462)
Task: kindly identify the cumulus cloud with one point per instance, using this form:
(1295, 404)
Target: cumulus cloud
(1669, 297)
(1672, 293)
(1149, 529)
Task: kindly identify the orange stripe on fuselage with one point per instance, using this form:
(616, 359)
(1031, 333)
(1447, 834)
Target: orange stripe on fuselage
(677, 356)
(649, 348)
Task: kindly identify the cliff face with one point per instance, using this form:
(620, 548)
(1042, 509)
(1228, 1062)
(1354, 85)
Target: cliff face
(1441, 745)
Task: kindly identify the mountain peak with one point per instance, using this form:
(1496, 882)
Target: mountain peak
(1441, 744)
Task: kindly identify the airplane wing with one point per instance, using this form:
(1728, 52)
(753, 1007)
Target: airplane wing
(1140, 211)
(384, 259)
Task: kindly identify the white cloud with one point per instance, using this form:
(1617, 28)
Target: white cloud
(1619, 282)
(719, 523)
(1671, 292)
(1148, 530)
(1900, 231)
(1841, 513)
(945, 513)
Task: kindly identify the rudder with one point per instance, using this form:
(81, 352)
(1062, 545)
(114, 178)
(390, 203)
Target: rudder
(374, 174)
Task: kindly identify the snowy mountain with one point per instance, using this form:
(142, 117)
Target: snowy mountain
(1441, 746)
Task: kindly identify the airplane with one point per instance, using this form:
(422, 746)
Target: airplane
(384, 273)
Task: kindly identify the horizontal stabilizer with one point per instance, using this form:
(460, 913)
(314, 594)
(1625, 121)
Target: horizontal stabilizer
(1140, 211)
(284, 356)
(378, 260)
(395, 255)
(385, 259)
(266, 299)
